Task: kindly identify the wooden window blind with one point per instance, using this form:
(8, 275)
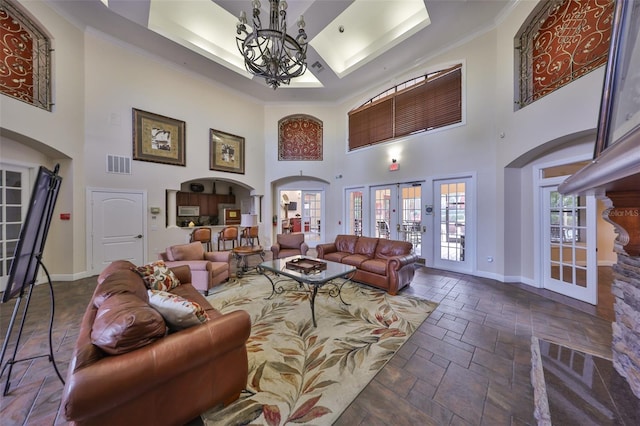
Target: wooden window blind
(434, 102)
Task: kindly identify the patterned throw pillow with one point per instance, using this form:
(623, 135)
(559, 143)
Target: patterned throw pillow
(158, 276)
(177, 311)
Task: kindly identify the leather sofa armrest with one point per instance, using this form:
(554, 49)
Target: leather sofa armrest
(304, 248)
(182, 272)
(218, 256)
(397, 262)
(323, 249)
(275, 249)
(117, 379)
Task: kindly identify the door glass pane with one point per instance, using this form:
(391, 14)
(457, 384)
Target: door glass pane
(11, 212)
(311, 215)
(411, 216)
(354, 223)
(452, 221)
(382, 200)
(567, 221)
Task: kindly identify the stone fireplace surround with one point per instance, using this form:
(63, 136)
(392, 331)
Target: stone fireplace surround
(626, 328)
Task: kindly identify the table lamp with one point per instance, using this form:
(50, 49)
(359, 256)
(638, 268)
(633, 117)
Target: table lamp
(247, 221)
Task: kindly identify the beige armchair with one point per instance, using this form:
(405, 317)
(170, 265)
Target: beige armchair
(208, 268)
(289, 245)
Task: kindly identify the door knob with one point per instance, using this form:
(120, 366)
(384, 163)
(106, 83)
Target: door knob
(139, 236)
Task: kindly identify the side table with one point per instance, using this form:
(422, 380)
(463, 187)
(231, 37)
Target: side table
(241, 254)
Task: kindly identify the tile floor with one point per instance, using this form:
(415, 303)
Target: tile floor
(468, 364)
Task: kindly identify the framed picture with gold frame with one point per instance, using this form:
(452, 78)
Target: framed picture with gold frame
(226, 152)
(158, 139)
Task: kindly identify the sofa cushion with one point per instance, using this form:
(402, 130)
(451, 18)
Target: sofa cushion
(124, 281)
(336, 256)
(158, 276)
(124, 322)
(116, 265)
(177, 311)
(290, 241)
(191, 251)
(346, 243)
(366, 246)
(354, 259)
(389, 248)
(376, 266)
(188, 291)
(194, 265)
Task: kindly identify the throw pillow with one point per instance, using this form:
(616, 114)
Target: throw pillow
(177, 311)
(124, 322)
(158, 276)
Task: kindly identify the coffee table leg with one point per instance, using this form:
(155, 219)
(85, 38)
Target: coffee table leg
(273, 284)
(312, 300)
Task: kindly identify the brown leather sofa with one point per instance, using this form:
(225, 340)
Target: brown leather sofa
(156, 378)
(382, 263)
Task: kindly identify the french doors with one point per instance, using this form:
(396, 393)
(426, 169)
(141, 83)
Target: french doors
(312, 216)
(397, 213)
(569, 244)
(15, 189)
(453, 202)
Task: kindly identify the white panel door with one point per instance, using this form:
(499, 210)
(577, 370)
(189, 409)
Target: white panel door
(116, 228)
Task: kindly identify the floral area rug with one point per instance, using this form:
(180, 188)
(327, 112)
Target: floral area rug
(303, 374)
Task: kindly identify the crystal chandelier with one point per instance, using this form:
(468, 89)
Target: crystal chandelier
(272, 53)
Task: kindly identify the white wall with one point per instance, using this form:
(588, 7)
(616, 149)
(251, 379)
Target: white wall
(99, 80)
(59, 135)
(119, 78)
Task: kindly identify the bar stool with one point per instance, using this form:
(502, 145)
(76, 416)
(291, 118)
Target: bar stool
(228, 233)
(204, 236)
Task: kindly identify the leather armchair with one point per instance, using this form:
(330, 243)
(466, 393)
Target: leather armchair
(208, 268)
(289, 245)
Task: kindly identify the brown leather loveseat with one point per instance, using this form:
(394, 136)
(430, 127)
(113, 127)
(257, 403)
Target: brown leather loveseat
(126, 368)
(382, 263)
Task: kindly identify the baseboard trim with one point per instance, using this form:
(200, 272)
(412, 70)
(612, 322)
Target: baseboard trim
(70, 277)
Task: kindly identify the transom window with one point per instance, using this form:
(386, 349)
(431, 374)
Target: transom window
(424, 103)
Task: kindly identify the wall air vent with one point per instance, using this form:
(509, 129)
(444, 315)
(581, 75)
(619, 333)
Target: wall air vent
(118, 164)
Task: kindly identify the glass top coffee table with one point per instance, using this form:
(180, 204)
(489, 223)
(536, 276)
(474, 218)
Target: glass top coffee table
(308, 279)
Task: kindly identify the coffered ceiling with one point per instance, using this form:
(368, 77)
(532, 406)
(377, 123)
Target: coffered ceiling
(353, 44)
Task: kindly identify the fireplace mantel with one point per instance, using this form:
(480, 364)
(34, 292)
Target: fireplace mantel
(615, 177)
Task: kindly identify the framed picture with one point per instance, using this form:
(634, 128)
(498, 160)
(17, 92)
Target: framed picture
(226, 152)
(619, 120)
(158, 139)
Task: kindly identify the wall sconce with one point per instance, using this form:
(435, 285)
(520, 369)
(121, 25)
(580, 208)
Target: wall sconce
(394, 166)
